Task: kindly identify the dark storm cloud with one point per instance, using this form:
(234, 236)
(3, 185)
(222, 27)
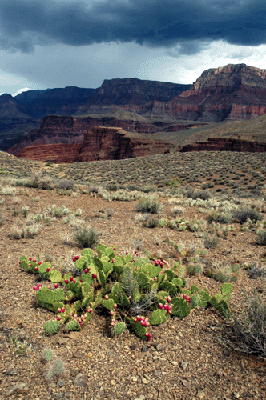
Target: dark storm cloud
(187, 23)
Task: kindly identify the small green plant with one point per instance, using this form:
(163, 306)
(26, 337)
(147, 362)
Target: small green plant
(21, 346)
(211, 241)
(151, 223)
(86, 236)
(248, 328)
(55, 367)
(148, 205)
(242, 215)
(261, 238)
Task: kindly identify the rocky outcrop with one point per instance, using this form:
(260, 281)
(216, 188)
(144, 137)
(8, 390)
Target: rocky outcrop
(226, 144)
(230, 92)
(100, 143)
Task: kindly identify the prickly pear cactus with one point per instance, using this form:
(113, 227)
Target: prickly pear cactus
(73, 326)
(180, 307)
(158, 317)
(119, 328)
(52, 327)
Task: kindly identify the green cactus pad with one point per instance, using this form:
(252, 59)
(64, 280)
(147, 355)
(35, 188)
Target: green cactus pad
(180, 307)
(88, 253)
(87, 278)
(108, 303)
(81, 263)
(107, 267)
(43, 267)
(102, 278)
(143, 281)
(73, 326)
(119, 328)
(169, 287)
(98, 263)
(170, 275)
(161, 295)
(158, 317)
(194, 289)
(55, 276)
(195, 301)
(226, 289)
(69, 295)
(57, 305)
(47, 297)
(52, 327)
(139, 329)
(221, 306)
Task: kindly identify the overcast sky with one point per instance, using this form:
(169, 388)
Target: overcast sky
(58, 43)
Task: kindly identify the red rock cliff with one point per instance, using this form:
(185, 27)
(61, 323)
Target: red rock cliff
(226, 144)
(100, 143)
(230, 92)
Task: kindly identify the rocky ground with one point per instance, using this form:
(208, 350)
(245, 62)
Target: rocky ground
(186, 359)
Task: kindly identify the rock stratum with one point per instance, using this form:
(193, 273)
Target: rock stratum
(98, 143)
(226, 144)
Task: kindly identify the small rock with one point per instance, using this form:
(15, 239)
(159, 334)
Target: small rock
(80, 380)
(112, 382)
(160, 347)
(141, 397)
(201, 394)
(145, 381)
(63, 341)
(183, 365)
(186, 384)
(144, 349)
(134, 379)
(16, 388)
(61, 382)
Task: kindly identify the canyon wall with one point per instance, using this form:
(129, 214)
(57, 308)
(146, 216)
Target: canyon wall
(226, 144)
(99, 143)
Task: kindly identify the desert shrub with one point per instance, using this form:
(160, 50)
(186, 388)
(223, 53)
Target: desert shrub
(65, 184)
(148, 205)
(198, 194)
(151, 223)
(261, 238)
(211, 241)
(86, 236)
(249, 327)
(215, 216)
(242, 215)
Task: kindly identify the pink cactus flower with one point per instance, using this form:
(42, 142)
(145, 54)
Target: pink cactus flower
(48, 269)
(115, 305)
(94, 276)
(113, 260)
(35, 288)
(106, 297)
(75, 316)
(112, 313)
(86, 271)
(30, 258)
(157, 262)
(169, 299)
(161, 264)
(59, 318)
(82, 324)
(74, 280)
(155, 279)
(114, 248)
(148, 336)
(56, 285)
(66, 281)
(36, 268)
(184, 296)
(19, 262)
(71, 279)
(161, 306)
(126, 252)
(63, 309)
(81, 280)
(30, 265)
(59, 310)
(39, 285)
(39, 263)
(34, 260)
(134, 260)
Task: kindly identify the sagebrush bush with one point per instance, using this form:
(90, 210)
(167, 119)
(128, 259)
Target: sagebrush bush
(148, 205)
(86, 236)
(151, 223)
(215, 216)
(261, 238)
(211, 241)
(249, 327)
(242, 215)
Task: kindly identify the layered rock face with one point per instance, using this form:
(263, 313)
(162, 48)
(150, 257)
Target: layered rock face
(100, 143)
(226, 144)
(230, 92)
